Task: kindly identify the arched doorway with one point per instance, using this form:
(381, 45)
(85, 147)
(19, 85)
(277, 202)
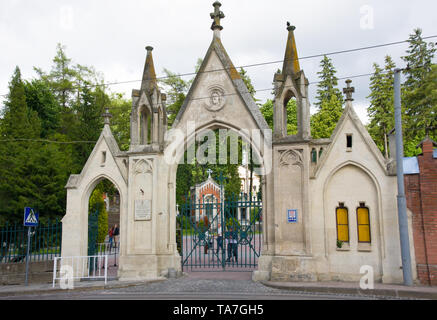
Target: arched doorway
(104, 224)
(220, 203)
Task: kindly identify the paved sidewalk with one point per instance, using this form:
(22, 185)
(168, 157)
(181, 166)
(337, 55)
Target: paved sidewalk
(334, 288)
(353, 288)
(15, 290)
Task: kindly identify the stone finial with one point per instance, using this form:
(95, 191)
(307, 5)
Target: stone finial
(107, 116)
(216, 16)
(290, 27)
(349, 90)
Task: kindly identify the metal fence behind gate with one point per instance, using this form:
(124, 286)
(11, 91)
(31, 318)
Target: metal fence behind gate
(45, 242)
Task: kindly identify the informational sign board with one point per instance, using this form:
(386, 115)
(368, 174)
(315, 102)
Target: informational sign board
(143, 210)
(31, 217)
(292, 216)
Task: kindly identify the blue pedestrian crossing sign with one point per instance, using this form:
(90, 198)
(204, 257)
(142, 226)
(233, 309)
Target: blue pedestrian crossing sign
(30, 217)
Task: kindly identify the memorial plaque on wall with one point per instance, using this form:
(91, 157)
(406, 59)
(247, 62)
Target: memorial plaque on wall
(143, 210)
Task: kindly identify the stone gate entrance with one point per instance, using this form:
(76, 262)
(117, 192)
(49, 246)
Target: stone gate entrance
(304, 181)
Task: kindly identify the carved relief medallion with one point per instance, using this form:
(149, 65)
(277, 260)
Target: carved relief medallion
(216, 100)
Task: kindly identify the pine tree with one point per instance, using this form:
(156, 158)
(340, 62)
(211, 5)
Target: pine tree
(328, 82)
(419, 117)
(329, 102)
(381, 109)
(19, 127)
(419, 59)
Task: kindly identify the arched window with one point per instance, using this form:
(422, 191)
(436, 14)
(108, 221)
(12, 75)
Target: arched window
(314, 155)
(290, 114)
(209, 207)
(363, 221)
(342, 223)
(145, 127)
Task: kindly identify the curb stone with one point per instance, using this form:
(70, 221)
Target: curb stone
(395, 293)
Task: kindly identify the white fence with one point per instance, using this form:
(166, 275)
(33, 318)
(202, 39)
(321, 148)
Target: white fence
(108, 248)
(78, 268)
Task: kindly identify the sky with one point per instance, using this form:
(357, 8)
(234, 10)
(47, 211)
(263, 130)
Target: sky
(111, 36)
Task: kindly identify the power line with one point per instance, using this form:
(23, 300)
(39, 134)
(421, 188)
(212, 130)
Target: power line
(253, 65)
(45, 140)
(89, 142)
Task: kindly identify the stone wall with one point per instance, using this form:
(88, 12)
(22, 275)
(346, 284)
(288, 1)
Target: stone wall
(15, 273)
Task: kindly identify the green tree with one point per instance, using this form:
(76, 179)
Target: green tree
(61, 78)
(96, 203)
(325, 120)
(381, 109)
(329, 102)
(248, 82)
(16, 156)
(39, 97)
(328, 82)
(120, 108)
(419, 119)
(267, 111)
(177, 89)
(89, 124)
(424, 98)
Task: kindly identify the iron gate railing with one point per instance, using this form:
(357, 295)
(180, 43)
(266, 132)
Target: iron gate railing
(220, 236)
(45, 242)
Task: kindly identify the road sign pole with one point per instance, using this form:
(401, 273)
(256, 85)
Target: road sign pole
(27, 255)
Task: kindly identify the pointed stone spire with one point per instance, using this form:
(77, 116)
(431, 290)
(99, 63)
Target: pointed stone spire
(149, 76)
(349, 90)
(217, 15)
(291, 60)
(107, 116)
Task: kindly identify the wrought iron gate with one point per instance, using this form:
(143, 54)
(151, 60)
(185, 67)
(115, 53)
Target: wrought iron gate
(221, 235)
(93, 232)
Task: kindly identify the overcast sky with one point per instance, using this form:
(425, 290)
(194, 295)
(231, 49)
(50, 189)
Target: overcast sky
(111, 36)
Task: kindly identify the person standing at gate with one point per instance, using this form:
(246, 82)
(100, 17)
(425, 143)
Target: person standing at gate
(111, 237)
(234, 246)
(116, 235)
(229, 245)
(219, 238)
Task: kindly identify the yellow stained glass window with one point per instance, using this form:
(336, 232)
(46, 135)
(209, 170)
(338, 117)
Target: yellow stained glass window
(363, 224)
(342, 224)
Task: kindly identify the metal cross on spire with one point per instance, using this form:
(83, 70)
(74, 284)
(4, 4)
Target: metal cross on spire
(349, 90)
(216, 16)
(107, 116)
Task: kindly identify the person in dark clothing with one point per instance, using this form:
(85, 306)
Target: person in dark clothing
(116, 235)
